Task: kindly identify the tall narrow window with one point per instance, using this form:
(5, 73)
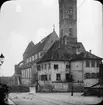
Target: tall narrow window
(49, 65)
(70, 31)
(61, 14)
(38, 67)
(42, 66)
(67, 66)
(67, 77)
(87, 63)
(98, 63)
(49, 77)
(61, 32)
(58, 77)
(45, 66)
(92, 63)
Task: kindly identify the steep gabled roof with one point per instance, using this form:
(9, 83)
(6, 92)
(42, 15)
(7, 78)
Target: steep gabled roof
(40, 45)
(29, 47)
(57, 52)
(84, 55)
(60, 51)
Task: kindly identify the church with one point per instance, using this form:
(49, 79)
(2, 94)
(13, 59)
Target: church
(67, 64)
(58, 64)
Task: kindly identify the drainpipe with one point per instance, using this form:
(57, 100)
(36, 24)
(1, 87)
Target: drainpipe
(83, 72)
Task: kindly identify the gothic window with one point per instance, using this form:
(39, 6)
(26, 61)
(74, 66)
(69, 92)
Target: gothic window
(58, 77)
(87, 63)
(61, 32)
(70, 31)
(61, 14)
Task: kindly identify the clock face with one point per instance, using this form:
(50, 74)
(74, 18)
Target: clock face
(70, 11)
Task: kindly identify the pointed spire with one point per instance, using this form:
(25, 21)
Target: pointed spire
(53, 27)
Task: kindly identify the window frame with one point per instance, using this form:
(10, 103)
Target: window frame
(56, 68)
(87, 63)
(58, 76)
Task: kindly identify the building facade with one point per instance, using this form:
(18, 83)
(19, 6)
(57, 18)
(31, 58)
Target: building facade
(70, 64)
(61, 70)
(26, 69)
(58, 64)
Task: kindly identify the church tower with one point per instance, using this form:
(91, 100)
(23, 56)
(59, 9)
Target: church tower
(68, 19)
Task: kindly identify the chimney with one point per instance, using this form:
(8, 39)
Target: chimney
(77, 51)
(90, 51)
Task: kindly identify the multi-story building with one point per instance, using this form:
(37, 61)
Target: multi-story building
(59, 64)
(25, 70)
(67, 63)
(60, 69)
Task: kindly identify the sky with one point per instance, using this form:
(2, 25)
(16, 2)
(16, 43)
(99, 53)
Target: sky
(22, 21)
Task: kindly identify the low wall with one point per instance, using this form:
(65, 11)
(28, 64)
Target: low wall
(62, 87)
(19, 89)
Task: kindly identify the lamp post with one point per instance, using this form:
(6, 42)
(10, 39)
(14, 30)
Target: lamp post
(1, 61)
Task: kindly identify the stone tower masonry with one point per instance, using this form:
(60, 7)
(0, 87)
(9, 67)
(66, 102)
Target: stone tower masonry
(68, 19)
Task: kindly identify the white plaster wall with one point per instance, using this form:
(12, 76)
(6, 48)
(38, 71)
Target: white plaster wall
(90, 69)
(61, 69)
(77, 70)
(76, 65)
(90, 82)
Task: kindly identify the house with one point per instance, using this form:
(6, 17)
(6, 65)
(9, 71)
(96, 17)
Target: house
(65, 64)
(26, 68)
(85, 68)
(54, 67)
(61, 69)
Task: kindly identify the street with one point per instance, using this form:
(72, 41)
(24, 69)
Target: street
(52, 99)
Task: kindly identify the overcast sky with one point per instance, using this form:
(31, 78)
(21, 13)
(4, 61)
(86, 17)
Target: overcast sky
(24, 20)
